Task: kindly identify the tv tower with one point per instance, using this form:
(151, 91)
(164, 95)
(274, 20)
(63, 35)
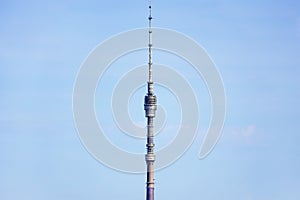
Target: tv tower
(150, 108)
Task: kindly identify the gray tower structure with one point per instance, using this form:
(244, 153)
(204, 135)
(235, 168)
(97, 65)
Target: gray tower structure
(150, 108)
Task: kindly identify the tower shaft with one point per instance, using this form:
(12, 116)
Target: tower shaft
(150, 108)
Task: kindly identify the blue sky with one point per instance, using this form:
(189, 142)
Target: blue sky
(256, 46)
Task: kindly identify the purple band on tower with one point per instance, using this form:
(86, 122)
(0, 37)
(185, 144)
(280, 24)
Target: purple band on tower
(150, 193)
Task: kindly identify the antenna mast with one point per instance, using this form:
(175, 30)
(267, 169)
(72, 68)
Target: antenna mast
(150, 108)
(150, 42)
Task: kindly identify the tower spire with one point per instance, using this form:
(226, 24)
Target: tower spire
(150, 46)
(150, 108)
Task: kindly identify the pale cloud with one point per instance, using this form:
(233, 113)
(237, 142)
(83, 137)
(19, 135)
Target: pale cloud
(248, 131)
(243, 132)
(247, 135)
